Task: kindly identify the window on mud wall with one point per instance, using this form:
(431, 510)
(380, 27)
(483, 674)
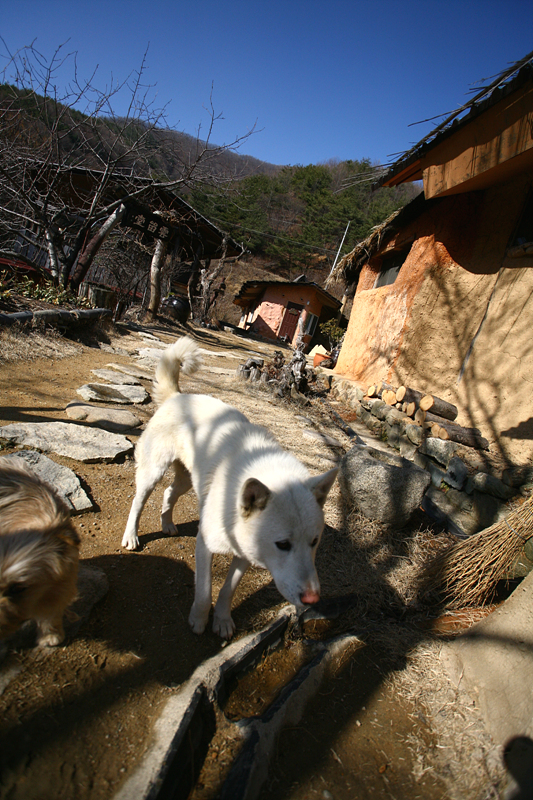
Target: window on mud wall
(310, 324)
(390, 267)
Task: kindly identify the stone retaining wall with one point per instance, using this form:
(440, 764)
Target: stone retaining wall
(463, 495)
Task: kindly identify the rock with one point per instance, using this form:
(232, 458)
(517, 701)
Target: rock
(394, 434)
(151, 353)
(225, 355)
(130, 370)
(378, 407)
(439, 449)
(457, 473)
(65, 482)
(148, 363)
(437, 474)
(78, 442)
(442, 511)
(470, 514)
(407, 449)
(110, 419)
(150, 336)
(107, 393)
(219, 370)
(384, 486)
(115, 377)
(518, 476)
(488, 484)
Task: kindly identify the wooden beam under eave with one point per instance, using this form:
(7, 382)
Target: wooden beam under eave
(413, 172)
(493, 143)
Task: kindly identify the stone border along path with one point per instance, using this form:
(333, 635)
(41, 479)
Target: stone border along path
(51, 316)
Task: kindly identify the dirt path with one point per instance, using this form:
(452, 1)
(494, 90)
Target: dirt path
(75, 720)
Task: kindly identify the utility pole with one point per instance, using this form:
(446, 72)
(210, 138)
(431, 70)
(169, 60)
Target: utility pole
(338, 253)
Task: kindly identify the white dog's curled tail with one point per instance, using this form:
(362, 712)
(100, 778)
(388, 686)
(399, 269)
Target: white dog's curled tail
(181, 357)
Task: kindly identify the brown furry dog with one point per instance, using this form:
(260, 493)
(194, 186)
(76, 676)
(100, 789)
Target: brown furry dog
(39, 551)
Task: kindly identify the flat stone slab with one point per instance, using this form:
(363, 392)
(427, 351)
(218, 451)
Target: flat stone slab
(115, 377)
(218, 370)
(150, 336)
(144, 374)
(147, 363)
(65, 482)
(78, 442)
(151, 353)
(110, 393)
(110, 419)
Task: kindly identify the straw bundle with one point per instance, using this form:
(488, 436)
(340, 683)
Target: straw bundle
(466, 574)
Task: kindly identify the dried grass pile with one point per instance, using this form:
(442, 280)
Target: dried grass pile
(468, 572)
(20, 344)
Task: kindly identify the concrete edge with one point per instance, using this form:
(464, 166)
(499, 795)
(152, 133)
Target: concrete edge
(250, 770)
(163, 772)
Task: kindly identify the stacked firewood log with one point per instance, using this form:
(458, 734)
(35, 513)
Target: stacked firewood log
(435, 415)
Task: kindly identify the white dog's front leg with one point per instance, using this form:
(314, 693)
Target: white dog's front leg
(130, 540)
(202, 593)
(222, 622)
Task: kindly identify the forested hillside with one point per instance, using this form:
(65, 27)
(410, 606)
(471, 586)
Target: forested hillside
(296, 219)
(290, 219)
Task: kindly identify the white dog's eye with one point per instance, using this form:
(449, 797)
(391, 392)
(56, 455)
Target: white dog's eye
(314, 542)
(284, 545)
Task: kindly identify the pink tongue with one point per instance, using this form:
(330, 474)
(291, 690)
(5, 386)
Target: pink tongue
(309, 597)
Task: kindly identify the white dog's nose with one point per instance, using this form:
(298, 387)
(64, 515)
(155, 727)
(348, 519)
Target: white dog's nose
(309, 597)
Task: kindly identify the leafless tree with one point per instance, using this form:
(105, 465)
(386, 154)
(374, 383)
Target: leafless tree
(71, 167)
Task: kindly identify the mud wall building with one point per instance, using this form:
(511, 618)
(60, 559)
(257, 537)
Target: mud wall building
(444, 288)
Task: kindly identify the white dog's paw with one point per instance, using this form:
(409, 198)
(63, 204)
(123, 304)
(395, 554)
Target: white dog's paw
(130, 541)
(197, 621)
(167, 526)
(224, 626)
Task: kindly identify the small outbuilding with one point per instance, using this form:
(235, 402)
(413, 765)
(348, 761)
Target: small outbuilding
(443, 289)
(289, 311)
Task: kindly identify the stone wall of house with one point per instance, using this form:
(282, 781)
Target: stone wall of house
(458, 321)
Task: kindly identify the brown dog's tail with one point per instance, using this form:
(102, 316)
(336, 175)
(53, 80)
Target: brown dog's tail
(181, 357)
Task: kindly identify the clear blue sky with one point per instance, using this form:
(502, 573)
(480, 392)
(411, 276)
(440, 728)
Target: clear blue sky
(322, 79)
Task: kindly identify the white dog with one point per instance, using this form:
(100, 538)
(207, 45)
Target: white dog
(256, 501)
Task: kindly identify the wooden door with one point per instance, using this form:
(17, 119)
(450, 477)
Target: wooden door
(290, 322)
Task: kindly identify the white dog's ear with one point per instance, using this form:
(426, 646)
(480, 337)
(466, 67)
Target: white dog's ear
(321, 485)
(254, 496)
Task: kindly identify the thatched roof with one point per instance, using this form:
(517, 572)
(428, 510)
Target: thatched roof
(348, 269)
(407, 166)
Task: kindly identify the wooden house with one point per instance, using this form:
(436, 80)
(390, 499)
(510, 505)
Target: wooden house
(443, 289)
(290, 311)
